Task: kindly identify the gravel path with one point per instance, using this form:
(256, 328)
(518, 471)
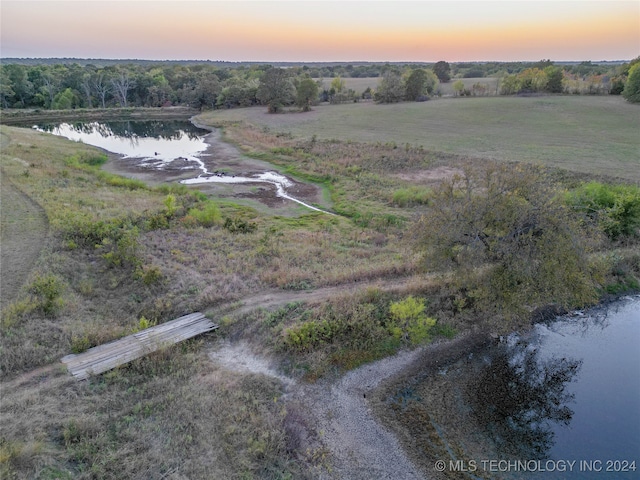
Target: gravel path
(361, 448)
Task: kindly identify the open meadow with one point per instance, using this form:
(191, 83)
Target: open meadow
(359, 85)
(301, 297)
(587, 134)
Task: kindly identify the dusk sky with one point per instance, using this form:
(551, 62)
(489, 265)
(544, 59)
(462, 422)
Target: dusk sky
(305, 30)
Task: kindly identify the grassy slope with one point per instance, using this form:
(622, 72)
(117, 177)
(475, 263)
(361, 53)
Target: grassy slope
(597, 135)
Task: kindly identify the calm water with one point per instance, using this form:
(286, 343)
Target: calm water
(565, 398)
(162, 141)
(605, 425)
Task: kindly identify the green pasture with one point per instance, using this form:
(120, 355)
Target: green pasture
(359, 85)
(597, 135)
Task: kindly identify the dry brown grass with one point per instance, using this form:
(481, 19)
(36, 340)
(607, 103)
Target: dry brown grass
(171, 415)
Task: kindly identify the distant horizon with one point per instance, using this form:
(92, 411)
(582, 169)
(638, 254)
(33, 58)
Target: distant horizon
(263, 62)
(271, 31)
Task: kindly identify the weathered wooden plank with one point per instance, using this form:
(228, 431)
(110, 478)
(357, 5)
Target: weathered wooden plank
(110, 355)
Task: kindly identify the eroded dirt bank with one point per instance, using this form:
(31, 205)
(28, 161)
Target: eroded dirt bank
(349, 417)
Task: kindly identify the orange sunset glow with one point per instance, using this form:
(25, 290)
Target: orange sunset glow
(322, 30)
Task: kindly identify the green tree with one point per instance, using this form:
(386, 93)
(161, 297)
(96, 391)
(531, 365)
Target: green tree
(554, 79)
(458, 87)
(64, 100)
(276, 89)
(19, 84)
(631, 91)
(6, 90)
(306, 94)
(510, 240)
(420, 83)
(390, 88)
(338, 85)
(442, 70)
(616, 208)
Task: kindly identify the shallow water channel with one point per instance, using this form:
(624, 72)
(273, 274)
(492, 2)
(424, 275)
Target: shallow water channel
(167, 145)
(561, 401)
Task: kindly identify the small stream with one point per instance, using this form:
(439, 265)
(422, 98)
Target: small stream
(158, 144)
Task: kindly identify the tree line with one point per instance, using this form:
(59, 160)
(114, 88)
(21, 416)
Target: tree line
(209, 86)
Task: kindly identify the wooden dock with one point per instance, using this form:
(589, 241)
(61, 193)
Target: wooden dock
(105, 357)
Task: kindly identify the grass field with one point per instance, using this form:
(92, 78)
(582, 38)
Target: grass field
(359, 85)
(596, 135)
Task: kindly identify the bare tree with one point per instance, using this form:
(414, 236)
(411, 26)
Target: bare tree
(122, 84)
(101, 87)
(86, 89)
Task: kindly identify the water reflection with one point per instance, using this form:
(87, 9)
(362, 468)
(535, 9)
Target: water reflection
(160, 141)
(518, 396)
(568, 390)
(159, 129)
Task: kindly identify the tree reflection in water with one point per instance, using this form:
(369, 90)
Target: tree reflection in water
(517, 397)
(161, 129)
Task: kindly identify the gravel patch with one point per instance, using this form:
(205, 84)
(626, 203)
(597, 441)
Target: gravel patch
(339, 412)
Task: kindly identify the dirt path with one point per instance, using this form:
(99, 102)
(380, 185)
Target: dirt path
(339, 413)
(272, 299)
(23, 228)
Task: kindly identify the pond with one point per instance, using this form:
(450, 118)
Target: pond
(174, 150)
(159, 141)
(561, 401)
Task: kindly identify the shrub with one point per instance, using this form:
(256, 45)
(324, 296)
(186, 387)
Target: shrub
(355, 327)
(405, 197)
(47, 290)
(124, 250)
(149, 274)
(616, 208)
(238, 225)
(17, 310)
(208, 216)
(122, 182)
(83, 159)
(311, 334)
(170, 205)
(408, 320)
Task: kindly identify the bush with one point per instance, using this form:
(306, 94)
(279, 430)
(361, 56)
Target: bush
(238, 225)
(47, 290)
(616, 208)
(406, 197)
(86, 160)
(208, 216)
(510, 240)
(124, 250)
(149, 274)
(408, 321)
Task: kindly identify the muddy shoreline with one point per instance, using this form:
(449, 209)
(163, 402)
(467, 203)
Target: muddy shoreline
(223, 157)
(423, 408)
